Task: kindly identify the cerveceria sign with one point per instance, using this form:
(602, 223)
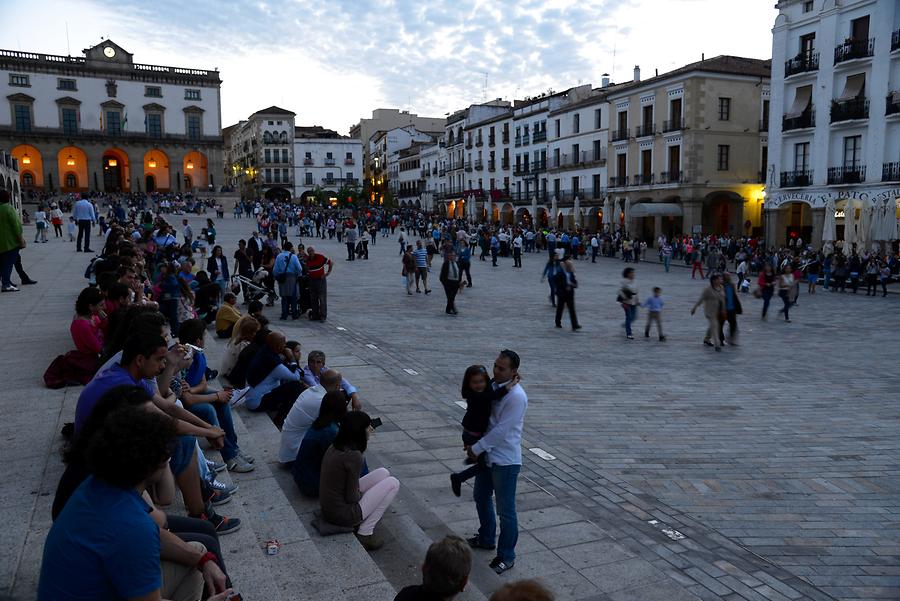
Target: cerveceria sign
(819, 200)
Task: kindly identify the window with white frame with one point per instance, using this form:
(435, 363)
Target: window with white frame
(190, 94)
(16, 79)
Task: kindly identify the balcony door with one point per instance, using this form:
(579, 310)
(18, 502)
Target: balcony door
(674, 163)
(646, 166)
(801, 157)
(675, 112)
(859, 29)
(622, 167)
(852, 153)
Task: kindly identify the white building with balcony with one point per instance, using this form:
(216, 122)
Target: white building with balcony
(384, 154)
(103, 122)
(260, 154)
(577, 138)
(835, 115)
(326, 161)
(432, 157)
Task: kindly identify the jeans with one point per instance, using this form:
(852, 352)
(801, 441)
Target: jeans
(666, 260)
(318, 297)
(500, 482)
(630, 316)
(465, 270)
(785, 298)
(7, 260)
(219, 414)
(289, 307)
(827, 274)
(84, 232)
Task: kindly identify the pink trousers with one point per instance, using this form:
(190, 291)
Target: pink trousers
(378, 489)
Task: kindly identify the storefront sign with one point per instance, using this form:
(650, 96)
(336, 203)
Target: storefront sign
(818, 200)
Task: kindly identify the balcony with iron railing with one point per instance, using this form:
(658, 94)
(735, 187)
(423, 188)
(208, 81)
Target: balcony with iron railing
(479, 141)
(468, 166)
(846, 175)
(584, 157)
(518, 141)
(479, 165)
(442, 172)
(619, 134)
(308, 162)
(434, 171)
(645, 130)
(521, 169)
(671, 177)
(849, 110)
(673, 125)
(504, 164)
(329, 161)
(805, 62)
(893, 104)
(505, 137)
(643, 179)
(805, 120)
(492, 141)
(539, 136)
(618, 181)
(349, 161)
(895, 41)
(796, 179)
(890, 172)
(469, 143)
(854, 49)
(526, 139)
(538, 165)
(492, 165)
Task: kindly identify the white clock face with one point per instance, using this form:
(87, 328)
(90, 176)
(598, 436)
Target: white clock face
(109, 51)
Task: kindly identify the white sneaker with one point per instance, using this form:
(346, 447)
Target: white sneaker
(10, 288)
(222, 487)
(239, 396)
(240, 465)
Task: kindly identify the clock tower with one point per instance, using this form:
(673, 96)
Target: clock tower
(108, 54)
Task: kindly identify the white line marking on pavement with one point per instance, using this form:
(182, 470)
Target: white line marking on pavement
(411, 372)
(462, 404)
(653, 522)
(372, 346)
(542, 453)
(673, 534)
(341, 329)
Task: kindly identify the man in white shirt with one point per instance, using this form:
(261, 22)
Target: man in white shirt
(503, 445)
(303, 413)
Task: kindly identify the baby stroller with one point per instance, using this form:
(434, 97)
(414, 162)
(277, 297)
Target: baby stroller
(254, 288)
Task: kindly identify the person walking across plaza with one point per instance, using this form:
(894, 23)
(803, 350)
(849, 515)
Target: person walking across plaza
(785, 283)
(85, 217)
(40, 225)
(12, 241)
(628, 298)
(565, 285)
(732, 310)
(421, 256)
(450, 279)
(409, 269)
(517, 250)
(465, 261)
(654, 306)
(503, 445)
(766, 289)
(56, 218)
(318, 267)
(713, 301)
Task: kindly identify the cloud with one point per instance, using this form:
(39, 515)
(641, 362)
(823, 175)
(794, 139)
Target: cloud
(333, 62)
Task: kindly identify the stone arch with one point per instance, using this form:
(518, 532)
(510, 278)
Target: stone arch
(156, 171)
(506, 214)
(31, 161)
(116, 170)
(195, 167)
(523, 216)
(723, 213)
(72, 167)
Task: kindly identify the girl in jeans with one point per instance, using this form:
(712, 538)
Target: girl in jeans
(344, 497)
(479, 392)
(628, 298)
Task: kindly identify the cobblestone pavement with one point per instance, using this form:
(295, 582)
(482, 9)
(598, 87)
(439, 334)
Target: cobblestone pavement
(784, 449)
(767, 471)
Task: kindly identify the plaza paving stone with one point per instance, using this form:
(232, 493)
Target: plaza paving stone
(777, 460)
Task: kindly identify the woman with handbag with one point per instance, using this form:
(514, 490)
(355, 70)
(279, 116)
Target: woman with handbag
(628, 298)
(713, 301)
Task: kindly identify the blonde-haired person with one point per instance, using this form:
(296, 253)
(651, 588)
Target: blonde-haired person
(244, 330)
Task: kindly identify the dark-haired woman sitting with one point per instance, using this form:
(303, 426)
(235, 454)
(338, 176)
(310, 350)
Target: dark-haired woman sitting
(307, 469)
(344, 497)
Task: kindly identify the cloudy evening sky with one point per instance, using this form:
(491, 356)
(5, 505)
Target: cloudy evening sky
(333, 61)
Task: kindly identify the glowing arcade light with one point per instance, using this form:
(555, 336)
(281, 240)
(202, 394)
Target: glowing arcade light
(70, 161)
(152, 162)
(190, 164)
(112, 162)
(26, 160)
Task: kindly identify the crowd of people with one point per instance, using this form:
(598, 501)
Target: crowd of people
(155, 413)
(154, 408)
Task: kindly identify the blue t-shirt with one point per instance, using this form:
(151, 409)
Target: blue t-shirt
(421, 256)
(104, 381)
(103, 545)
(197, 369)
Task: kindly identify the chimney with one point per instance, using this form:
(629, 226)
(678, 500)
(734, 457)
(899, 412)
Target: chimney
(637, 73)
(605, 81)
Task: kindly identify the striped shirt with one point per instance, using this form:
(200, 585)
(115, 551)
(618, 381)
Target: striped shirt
(421, 256)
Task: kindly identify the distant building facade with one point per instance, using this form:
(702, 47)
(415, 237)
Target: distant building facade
(102, 122)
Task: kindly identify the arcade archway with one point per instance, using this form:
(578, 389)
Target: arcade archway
(196, 170)
(156, 171)
(31, 166)
(116, 171)
(72, 168)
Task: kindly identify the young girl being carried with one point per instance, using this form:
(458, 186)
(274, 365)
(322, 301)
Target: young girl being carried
(479, 392)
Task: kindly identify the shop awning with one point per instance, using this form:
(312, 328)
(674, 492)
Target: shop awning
(853, 88)
(653, 209)
(801, 102)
